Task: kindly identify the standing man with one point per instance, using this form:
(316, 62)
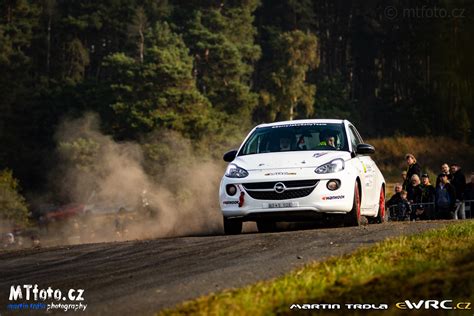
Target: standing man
(427, 196)
(458, 180)
(394, 200)
(469, 195)
(445, 199)
(404, 180)
(413, 168)
(445, 170)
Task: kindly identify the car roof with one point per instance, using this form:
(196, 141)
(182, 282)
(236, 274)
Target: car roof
(330, 121)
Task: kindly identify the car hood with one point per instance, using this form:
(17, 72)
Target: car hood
(285, 160)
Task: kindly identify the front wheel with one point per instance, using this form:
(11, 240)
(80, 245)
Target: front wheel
(353, 217)
(232, 227)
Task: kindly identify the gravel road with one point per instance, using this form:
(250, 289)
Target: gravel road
(146, 276)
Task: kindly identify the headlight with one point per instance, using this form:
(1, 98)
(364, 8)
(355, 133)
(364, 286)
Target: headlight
(234, 171)
(335, 165)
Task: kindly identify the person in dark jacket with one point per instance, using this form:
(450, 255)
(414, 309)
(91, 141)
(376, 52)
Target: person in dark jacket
(414, 197)
(427, 196)
(403, 209)
(469, 196)
(414, 191)
(413, 168)
(469, 191)
(445, 170)
(393, 201)
(404, 180)
(458, 180)
(445, 199)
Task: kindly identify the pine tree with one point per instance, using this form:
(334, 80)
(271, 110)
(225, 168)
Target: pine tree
(160, 93)
(222, 43)
(295, 53)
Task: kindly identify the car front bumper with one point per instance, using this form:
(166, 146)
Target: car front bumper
(320, 201)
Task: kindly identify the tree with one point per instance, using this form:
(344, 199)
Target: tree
(137, 30)
(160, 93)
(295, 53)
(13, 207)
(222, 43)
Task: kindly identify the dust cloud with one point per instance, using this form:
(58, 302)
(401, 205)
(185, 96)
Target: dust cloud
(124, 194)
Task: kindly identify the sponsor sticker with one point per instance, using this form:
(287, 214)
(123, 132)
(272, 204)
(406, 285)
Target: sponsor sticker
(230, 202)
(299, 124)
(333, 197)
(280, 174)
(317, 155)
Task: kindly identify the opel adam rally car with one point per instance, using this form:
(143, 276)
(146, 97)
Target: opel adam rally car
(301, 170)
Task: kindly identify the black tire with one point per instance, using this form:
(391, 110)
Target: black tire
(266, 226)
(232, 227)
(382, 215)
(353, 218)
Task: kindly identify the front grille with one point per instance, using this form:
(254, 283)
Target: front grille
(294, 189)
(272, 195)
(288, 184)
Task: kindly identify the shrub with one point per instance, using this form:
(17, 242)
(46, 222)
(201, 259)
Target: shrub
(13, 207)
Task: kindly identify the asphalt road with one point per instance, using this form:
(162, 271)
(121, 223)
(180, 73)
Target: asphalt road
(146, 276)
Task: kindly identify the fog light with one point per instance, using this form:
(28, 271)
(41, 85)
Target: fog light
(231, 189)
(333, 185)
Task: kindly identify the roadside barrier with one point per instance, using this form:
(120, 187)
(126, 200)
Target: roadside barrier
(430, 210)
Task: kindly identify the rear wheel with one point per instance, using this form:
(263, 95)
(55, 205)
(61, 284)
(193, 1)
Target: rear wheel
(266, 226)
(353, 217)
(382, 215)
(232, 226)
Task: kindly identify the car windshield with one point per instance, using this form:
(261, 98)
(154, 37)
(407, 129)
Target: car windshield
(296, 137)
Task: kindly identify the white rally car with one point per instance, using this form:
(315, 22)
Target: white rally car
(301, 170)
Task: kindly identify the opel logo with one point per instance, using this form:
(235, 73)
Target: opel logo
(279, 187)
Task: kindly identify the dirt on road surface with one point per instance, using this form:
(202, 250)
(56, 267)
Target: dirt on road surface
(146, 276)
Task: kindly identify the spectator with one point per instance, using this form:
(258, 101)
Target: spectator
(404, 179)
(458, 180)
(393, 201)
(469, 192)
(414, 197)
(427, 196)
(396, 196)
(445, 170)
(445, 198)
(469, 195)
(413, 168)
(414, 190)
(403, 209)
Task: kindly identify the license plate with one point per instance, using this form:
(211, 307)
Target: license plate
(280, 204)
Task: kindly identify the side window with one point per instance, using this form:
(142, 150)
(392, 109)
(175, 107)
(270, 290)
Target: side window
(355, 138)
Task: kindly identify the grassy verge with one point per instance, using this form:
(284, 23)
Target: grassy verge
(437, 264)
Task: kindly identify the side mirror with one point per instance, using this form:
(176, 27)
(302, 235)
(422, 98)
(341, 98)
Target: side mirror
(230, 155)
(365, 149)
